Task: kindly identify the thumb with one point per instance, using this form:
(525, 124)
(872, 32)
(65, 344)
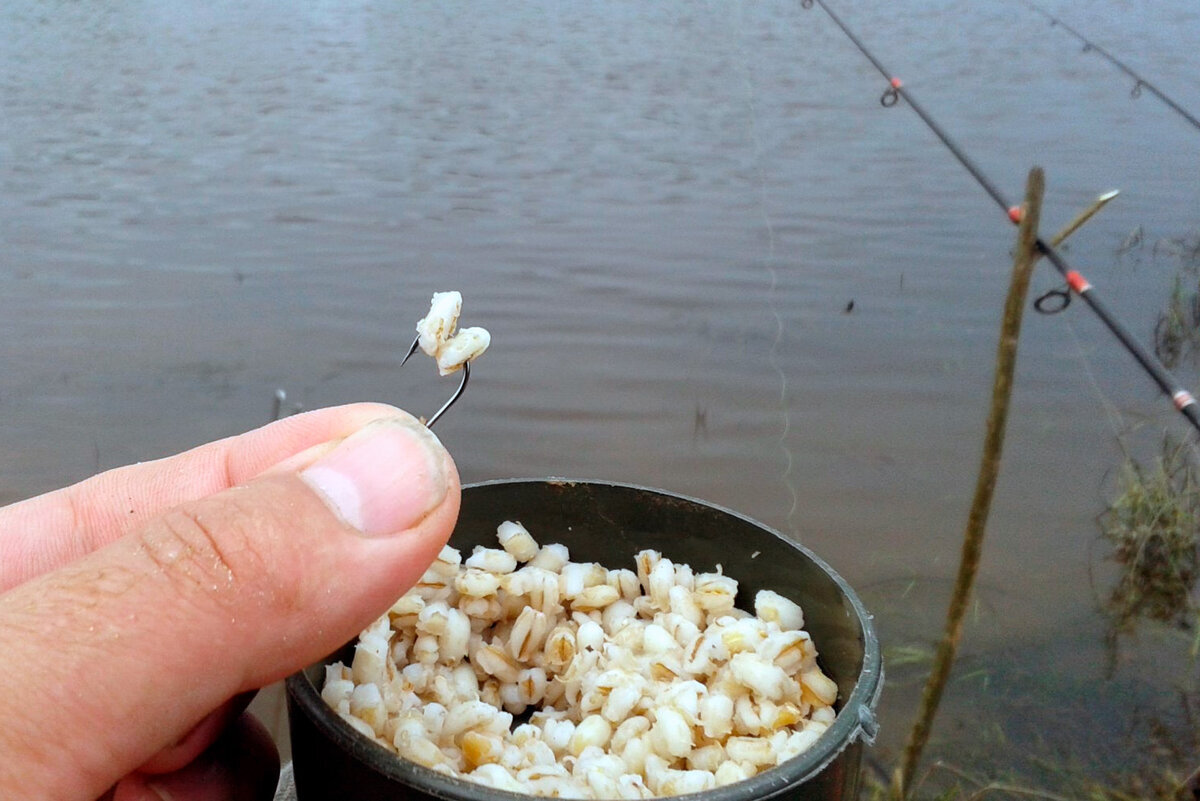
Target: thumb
(121, 653)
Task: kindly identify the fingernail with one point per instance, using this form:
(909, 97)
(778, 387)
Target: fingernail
(160, 791)
(384, 478)
(203, 780)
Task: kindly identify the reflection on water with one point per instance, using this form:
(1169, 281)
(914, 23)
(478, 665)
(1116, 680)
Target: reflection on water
(661, 210)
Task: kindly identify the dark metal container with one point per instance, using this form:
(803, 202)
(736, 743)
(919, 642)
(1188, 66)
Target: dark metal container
(609, 523)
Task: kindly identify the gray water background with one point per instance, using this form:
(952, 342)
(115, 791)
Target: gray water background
(661, 211)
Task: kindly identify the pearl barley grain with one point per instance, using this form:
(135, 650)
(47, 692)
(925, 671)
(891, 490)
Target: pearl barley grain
(637, 683)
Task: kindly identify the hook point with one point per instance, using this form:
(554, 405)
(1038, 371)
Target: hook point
(416, 343)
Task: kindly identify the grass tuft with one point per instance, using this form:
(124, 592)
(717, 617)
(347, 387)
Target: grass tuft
(1177, 330)
(1152, 525)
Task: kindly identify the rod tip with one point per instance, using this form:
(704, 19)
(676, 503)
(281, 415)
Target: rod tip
(1107, 196)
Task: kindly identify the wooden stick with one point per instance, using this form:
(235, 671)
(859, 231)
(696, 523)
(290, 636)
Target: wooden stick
(989, 470)
(1083, 217)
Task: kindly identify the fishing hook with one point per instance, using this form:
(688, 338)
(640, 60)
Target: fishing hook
(466, 371)
(280, 408)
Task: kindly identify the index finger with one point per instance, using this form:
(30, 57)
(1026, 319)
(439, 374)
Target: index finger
(51, 530)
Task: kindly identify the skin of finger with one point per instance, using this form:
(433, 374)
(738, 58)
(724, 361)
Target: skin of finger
(164, 627)
(243, 765)
(51, 530)
(199, 739)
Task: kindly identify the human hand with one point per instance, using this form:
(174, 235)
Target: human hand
(140, 608)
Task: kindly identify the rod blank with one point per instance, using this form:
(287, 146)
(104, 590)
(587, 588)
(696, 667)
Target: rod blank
(1184, 402)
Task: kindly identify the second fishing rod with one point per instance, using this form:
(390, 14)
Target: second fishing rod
(1180, 397)
(1139, 81)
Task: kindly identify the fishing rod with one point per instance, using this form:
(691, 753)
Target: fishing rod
(1182, 399)
(1139, 82)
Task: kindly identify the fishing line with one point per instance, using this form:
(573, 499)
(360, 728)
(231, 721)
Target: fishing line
(1140, 83)
(1116, 421)
(1075, 282)
(773, 353)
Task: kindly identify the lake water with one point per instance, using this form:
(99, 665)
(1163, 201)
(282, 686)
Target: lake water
(662, 211)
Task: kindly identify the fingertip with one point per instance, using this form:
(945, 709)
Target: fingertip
(351, 419)
(287, 444)
(385, 478)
